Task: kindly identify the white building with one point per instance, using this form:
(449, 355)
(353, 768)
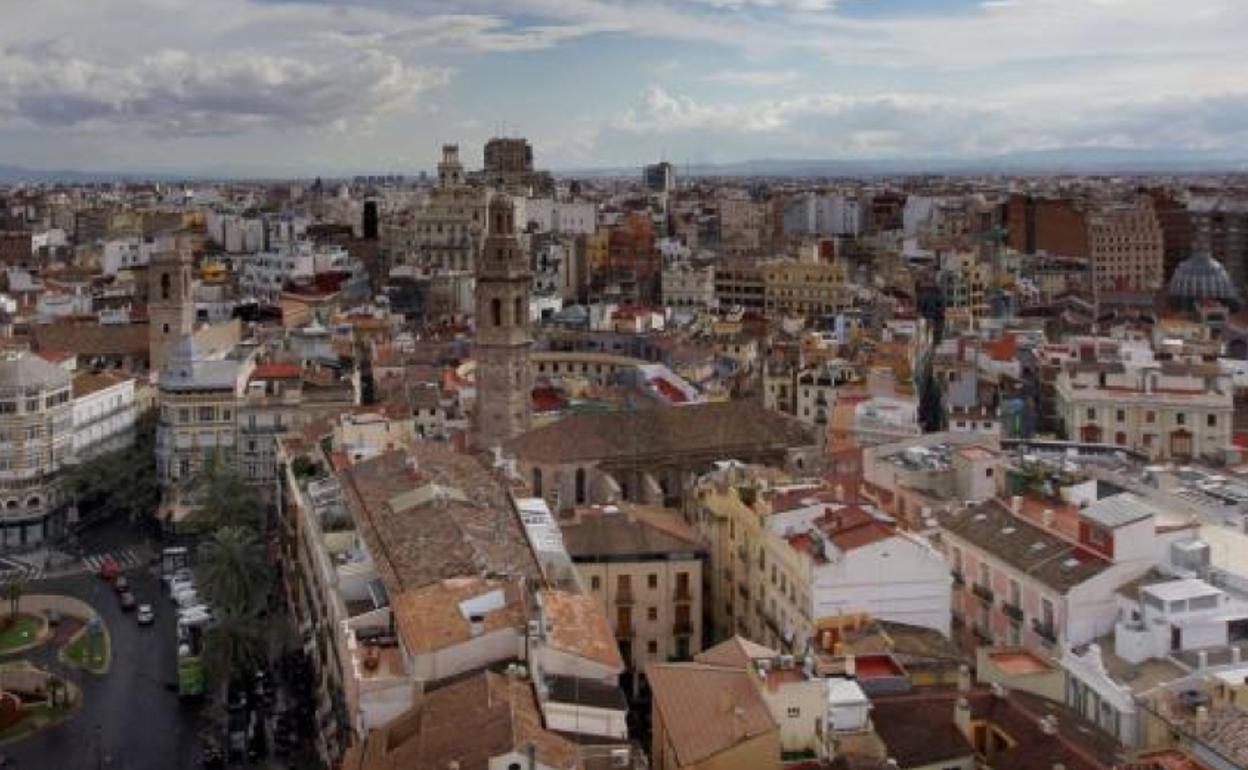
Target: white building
(104, 412)
(686, 286)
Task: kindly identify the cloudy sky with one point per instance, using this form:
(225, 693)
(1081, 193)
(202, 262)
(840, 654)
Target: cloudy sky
(339, 86)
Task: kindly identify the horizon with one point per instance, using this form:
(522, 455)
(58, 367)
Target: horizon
(280, 86)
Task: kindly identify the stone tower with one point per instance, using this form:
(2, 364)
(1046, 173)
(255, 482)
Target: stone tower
(504, 382)
(170, 306)
(450, 170)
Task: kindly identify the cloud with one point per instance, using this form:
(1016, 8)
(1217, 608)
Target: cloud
(476, 32)
(181, 93)
(753, 78)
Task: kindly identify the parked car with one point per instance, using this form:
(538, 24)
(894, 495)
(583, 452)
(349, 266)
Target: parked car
(145, 616)
(127, 601)
(121, 584)
(108, 569)
(188, 598)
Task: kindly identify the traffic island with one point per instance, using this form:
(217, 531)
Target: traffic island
(89, 648)
(22, 632)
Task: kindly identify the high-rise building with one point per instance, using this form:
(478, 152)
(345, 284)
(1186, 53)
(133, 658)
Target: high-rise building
(660, 177)
(504, 382)
(1221, 226)
(171, 307)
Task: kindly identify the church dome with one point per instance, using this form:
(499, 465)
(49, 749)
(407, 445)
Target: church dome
(1200, 276)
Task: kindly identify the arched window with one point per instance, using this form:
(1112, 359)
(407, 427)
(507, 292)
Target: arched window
(580, 486)
(518, 311)
(537, 482)
(496, 311)
(164, 286)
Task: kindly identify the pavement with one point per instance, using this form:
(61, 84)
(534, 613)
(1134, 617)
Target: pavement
(131, 717)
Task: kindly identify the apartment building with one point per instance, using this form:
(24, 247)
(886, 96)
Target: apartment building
(105, 411)
(644, 567)
(1167, 410)
(787, 554)
(1125, 247)
(807, 289)
(36, 441)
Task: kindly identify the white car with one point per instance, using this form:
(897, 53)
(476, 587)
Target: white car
(187, 598)
(145, 616)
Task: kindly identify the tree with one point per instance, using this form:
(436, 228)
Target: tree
(234, 645)
(13, 590)
(121, 481)
(226, 500)
(234, 570)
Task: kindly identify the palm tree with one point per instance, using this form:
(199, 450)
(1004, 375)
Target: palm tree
(234, 571)
(227, 500)
(234, 645)
(13, 590)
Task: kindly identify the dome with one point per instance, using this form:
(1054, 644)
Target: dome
(1200, 276)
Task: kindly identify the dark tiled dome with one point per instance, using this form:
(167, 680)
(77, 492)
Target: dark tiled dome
(1200, 276)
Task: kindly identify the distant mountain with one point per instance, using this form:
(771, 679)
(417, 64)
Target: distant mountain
(19, 174)
(1081, 160)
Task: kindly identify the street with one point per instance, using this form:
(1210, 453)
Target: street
(131, 717)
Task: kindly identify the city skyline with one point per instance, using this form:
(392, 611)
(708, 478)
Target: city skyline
(234, 86)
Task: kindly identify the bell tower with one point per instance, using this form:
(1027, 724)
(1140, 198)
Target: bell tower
(504, 381)
(170, 305)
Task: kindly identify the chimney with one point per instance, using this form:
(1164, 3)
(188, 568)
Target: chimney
(1016, 504)
(1202, 660)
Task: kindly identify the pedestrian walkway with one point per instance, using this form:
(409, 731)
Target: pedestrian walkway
(125, 558)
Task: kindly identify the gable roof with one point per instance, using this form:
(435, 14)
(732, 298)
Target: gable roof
(736, 652)
(724, 429)
(707, 709)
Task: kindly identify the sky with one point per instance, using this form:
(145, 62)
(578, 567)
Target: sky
(307, 87)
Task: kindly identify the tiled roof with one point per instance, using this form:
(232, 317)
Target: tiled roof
(91, 339)
(433, 617)
(416, 541)
(707, 709)
(629, 531)
(1052, 560)
(576, 625)
(736, 652)
(469, 722)
(724, 429)
(86, 383)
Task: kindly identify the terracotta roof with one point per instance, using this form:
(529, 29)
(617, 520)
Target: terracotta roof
(919, 733)
(707, 709)
(277, 372)
(467, 526)
(576, 625)
(469, 722)
(432, 617)
(631, 530)
(91, 339)
(726, 429)
(736, 652)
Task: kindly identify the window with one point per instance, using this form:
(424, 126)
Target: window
(984, 575)
(580, 486)
(1121, 415)
(164, 288)
(1211, 421)
(652, 647)
(595, 583)
(652, 613)
(1150, 417)
(794, 712)
(537, 482)
(652, 581)
(1180, 418)
(207, 414)
(496, 311)
(1091, 414)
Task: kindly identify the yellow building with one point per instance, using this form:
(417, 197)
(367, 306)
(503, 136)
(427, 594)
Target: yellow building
(805, 288)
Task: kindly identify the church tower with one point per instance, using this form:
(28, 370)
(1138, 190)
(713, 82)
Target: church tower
(170, 306)
(504, 381)
(450, 170)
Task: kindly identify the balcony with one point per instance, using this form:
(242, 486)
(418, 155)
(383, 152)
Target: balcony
(683, 594)
(624, 597)
(1012, 611)
(958, 578)
(625, 631)
(983, 592)
(1045, 631)
(682, 627)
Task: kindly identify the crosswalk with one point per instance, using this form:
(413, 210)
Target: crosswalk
(124, 558)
